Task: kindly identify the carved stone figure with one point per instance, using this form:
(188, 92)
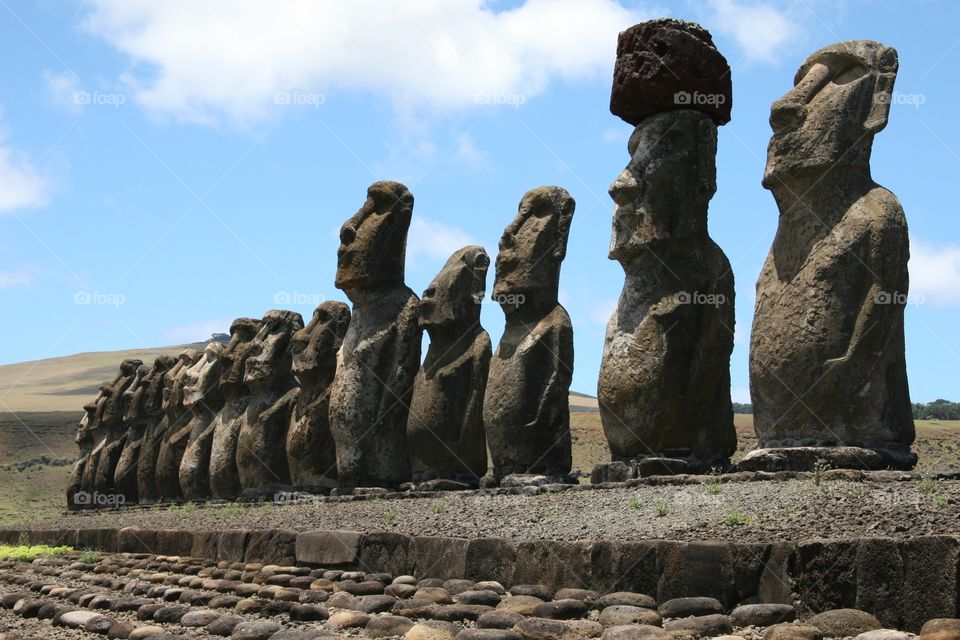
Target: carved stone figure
(85, 442)
(827, 371)
(203, 398)
(153, 388)
(176, 416)
(664, 386)
(135, 421)
(525, 409)
(311, 454)
(445, 428)
(261, 444)
(380, 354)
(107, 453)
(224, 477)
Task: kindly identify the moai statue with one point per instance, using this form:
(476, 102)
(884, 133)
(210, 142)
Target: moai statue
(113, 425)
(204, 399)
(828, 376)
(153, 388)
(85, 442)
(311, 454)
(526, 410)
(176, 417)
(664, 385)
(262, 442)
(135, 421)
(448, 448)
(380, 354)
(224, 478)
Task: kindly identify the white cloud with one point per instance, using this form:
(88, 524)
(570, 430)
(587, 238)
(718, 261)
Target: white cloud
(195, 331)
(20, 276)
(21, 186)
(229, 59)
(760, 28)
(432, 239)
(64, 89)
(934, 272)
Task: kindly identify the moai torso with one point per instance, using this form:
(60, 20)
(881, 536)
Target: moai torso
(261, 443)
(380, 354)
(526, 410)
(202, 396)
(311, 453)
(84, 440)
(176, 417)
(150, 443)
(113, 421)
(135, 420)
(445, 427)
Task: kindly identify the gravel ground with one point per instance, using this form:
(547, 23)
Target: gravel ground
(790, 510)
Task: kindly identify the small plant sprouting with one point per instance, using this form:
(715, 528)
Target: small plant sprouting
(232, 510)
(662, 508)
(437, 507)
(714, 486)
(390, 516)
(190, 507)
(927, 485)
(820, 468)
(738, 518)
(634, 504)
(23, 540)
(551, 518)
(89, 557)
(941, 500)
(174, 508)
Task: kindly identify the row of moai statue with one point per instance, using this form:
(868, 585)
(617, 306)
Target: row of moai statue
(345, 402)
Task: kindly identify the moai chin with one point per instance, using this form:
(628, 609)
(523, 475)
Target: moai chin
(448, 447)
(261, 443)
(311, 454)
(203, 398)
(223, 474)
(828, 375)
(176, 416)
(526, 411)
(380, 354)
(135, 421)
(153, 387)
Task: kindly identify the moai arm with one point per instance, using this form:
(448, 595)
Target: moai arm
(558, 342)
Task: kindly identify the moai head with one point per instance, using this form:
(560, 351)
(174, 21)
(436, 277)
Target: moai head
(667, 64)
(133, 396)
(840, 100)
(174, 379)
(154, 384)
(270, 358)
(314, 347)
(114, 410)
(234, 357)
(373, 243)
(455, 295)
(664, 190)
(84, 437)
(203, 378)
(533, 246)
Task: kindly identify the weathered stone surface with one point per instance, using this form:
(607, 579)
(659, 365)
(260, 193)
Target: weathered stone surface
(525, 411)
(941, 629)
(203, 397)
(703, 626)
(626, 598)
(255, 630)
(635, 632)
(445, 427)
(762, 615)
(498, 619)
(311, 454)
(271, 546)
(844, 622)
(261, 443)
(380, 354)
(176, 417)
(689, 606)
(328, 548)
(439, 557)
(669, 64)
(135, 423)
(621, 614)
(828, 323)
(664, 386)
(385, 626)
(553, 564)
(224, 477)
(546, 629)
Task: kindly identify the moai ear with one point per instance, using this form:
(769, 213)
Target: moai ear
(564, 217)
(887, 65)
(707, 157)
(479, 268)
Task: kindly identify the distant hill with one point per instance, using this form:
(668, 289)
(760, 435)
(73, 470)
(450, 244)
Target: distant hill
(67, 382)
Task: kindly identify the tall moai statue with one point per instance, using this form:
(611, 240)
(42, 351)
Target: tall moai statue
(445, 429)
(204, 399)
(223, 474)
(828, 375)
(262, 441)
(176, 416)
(664, 385)
(380, 354)
(153, 432)
(311, 453)
(85, 443)
(526, 411)
(135, 422)
(111, 446)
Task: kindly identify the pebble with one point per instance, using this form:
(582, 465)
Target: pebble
(416, 608)
(347, 620)
(146, 632)
(622, 614)
(536, 590)
(308, 613)
(224, 626)
(200, 618)
(432, 630)
(709, 625)
(635, 632)
(458, 612)
(586, 595)
(488, 634)
(941, 629)
(889, 634)
(762, 615)
(793, 632)
(498, 620)
(437, 594)
(376, 604)
(255, 630)
(566, 609)
(77, 619)
(487, 597)
(387, 625)
(524, 605)
(547, 629)
(844, 622)
(684, 607)
(626, 598)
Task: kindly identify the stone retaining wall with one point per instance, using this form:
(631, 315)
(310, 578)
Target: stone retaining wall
(902, 582)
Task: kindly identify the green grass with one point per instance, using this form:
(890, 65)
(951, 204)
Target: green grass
(29, 553)
(634, 504)
(737, 518)
(390, 517)
(820, 468)
(662, 508)
(437, 508)
(89, 557)
(713, 484)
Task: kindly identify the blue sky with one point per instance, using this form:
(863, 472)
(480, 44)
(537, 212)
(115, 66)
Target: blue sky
(165, 168)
